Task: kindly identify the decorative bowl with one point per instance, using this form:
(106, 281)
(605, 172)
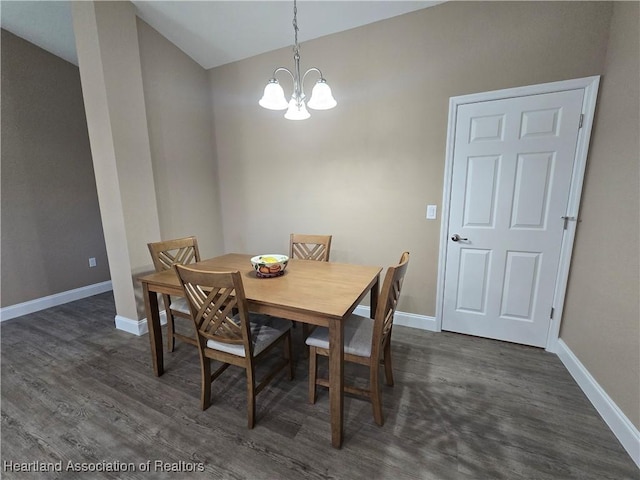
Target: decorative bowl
(269, 265)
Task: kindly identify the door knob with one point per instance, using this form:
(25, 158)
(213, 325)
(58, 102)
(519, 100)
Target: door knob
(456, 238)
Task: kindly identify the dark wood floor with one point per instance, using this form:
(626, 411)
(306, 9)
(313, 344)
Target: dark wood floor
(75, 389)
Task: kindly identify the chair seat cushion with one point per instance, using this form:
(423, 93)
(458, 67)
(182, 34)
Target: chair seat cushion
(358, 333)
(265, 330)
(180, 304)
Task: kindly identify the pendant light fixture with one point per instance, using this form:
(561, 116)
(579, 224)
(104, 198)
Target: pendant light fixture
(274, 99)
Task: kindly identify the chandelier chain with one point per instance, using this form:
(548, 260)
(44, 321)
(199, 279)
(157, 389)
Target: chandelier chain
(295, 26)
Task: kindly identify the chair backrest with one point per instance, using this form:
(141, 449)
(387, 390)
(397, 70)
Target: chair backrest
(171, 252)
(387, 303)
(212, 298)
(310, 247)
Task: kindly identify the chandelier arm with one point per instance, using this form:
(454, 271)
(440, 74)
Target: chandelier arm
(312, 69)
(298, 94)
(281, 69)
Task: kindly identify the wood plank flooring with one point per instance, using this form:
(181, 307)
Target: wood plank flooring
(75, 389)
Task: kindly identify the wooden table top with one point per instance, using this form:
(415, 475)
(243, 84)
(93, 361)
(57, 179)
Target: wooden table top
(327, 289)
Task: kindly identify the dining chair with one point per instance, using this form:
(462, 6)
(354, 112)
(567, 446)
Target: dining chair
(310, 247)
(165, 255)
(240, 339)
(366, 342)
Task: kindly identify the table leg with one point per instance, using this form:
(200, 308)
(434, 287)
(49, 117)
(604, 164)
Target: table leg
(336, 380)
(155, 332)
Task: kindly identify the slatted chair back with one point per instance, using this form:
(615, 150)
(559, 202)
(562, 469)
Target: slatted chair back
(168, 253)
(387, 303)
(310, 247)
(214, 299)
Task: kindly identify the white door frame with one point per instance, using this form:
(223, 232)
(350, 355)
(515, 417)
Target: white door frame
(590, 86)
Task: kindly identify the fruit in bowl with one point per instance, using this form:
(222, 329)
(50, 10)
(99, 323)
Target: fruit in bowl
(269, 265)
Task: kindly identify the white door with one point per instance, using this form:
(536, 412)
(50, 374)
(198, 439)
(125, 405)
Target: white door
(510, 182)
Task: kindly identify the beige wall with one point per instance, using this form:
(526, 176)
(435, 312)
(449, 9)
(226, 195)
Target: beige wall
(601, 323)
(109, 61)
(366, 170)
(50, 215)
(47, 212)
(176, 92)
(149, 108)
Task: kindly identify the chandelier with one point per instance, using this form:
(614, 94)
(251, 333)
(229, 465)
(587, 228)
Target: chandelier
(274, 99)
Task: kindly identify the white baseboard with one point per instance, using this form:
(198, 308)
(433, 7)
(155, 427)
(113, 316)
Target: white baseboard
(412, 320)
(137, 327)
(620, 425)
(129, 325)
(13, 311)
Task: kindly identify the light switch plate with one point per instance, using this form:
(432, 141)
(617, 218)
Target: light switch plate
(431, 212)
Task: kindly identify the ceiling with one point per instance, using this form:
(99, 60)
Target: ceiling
(214, 32)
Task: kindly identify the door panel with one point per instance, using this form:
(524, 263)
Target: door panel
(481, 188)
(511, 175)
(521, 281)
(531, 194)
(473, 280)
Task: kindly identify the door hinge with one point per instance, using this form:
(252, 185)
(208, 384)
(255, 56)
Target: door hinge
(551, 315)
(581, 120)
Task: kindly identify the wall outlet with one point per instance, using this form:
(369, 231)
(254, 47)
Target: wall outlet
(431, 212)
(92, 262)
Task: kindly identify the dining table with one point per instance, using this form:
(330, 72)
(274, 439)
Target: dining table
(312, 292)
